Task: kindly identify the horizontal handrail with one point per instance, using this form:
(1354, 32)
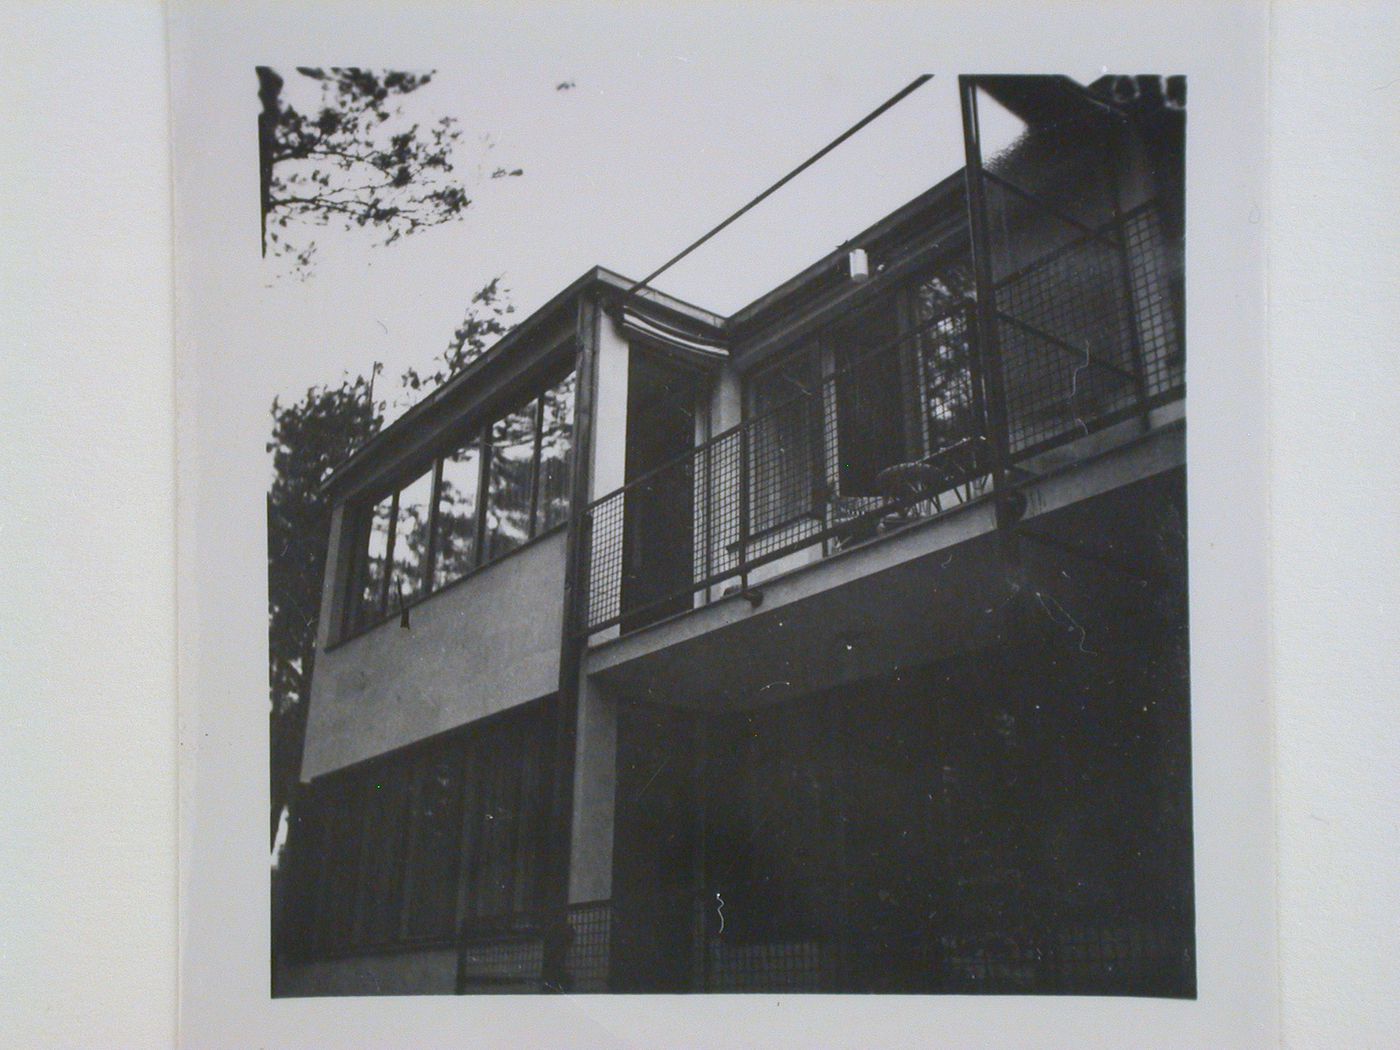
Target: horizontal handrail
(769, 414)
(819, 467)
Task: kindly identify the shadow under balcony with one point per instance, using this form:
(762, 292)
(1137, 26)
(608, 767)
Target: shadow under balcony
(1100, 546)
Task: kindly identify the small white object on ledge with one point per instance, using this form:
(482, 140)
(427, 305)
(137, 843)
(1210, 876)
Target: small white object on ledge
(859, 263)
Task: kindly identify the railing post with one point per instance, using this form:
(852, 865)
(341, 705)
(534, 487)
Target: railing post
(988, 335)
(744, 480)
(700, 981)
(1115, 171)
(708, 462)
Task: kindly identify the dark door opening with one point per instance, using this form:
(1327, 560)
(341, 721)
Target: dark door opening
(658, 525)
(870, 398)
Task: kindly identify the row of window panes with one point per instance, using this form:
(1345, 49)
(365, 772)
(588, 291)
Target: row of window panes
(384, 854)
(481, 514)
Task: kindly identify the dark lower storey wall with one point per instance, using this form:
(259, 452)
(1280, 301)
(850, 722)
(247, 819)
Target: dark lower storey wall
(1016, 821)
(396, 973)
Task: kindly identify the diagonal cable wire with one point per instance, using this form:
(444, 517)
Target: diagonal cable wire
(893, 101)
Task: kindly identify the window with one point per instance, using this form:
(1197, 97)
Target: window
(392, 848)
(869, 400)
(894, 394)
(457, 517)
(498, 488)
(948, 408)
(373, 561)
(435, 830)
(383, 802)
(409, 558)
(556, 438)
(512, 480)
(334, 928)
(785, 442)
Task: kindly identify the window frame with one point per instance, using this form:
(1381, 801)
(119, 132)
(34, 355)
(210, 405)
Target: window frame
(901, 299)
(506, 752)
(355, 618)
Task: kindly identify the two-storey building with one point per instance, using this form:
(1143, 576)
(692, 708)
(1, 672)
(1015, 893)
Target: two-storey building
(838, 644)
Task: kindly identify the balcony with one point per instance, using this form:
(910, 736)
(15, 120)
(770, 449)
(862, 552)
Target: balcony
(1085, 340)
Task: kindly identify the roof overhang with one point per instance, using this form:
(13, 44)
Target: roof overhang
(686, 347)
(513, 356)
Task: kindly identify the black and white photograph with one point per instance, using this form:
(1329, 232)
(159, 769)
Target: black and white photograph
(727, 524)
(829, 641)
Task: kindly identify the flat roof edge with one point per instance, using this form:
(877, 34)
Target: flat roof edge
(548, 313)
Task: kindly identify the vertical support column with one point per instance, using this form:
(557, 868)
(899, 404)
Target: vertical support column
(700, 981)
(745, 480)
(595, 777)
(835, 732)
(727, 409)
(559, 826)
(988, 334)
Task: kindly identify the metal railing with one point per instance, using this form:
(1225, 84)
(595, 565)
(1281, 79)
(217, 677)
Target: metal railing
(897, 433)
(508, 952)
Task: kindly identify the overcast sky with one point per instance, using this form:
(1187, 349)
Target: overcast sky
(675, 119)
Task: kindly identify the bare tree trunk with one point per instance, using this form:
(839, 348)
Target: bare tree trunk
(269, 93)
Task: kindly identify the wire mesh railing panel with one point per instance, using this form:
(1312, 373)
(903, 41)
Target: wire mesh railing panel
(490, 965)
(1156, 293)
(1089, 333)
(773, 967)
(586, 961)
(897, 430)
(1088, 958)
(602, 546)
(1125, 958)
(780, 961)
(787, 477)
(1066, 344)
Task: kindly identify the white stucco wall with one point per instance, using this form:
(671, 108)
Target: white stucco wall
(487, 643)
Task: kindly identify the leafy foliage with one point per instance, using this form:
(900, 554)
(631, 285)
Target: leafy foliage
(356, 162)
(309, 437)
(486, 320)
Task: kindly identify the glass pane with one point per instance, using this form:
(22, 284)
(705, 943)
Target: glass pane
(945, 289)
(556, 437)
(501, 759)
(381, 860)
(436, 829)
(869, 405)
(511, 481)
(411, 541)
(456, 528)
(786, 468)
(948, 417)
(370, 595)
(335, 917)
(503, 808)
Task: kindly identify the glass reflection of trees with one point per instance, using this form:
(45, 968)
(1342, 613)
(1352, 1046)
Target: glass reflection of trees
(876, 373)
(949, 410)
(456, 527)
(406, 551)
